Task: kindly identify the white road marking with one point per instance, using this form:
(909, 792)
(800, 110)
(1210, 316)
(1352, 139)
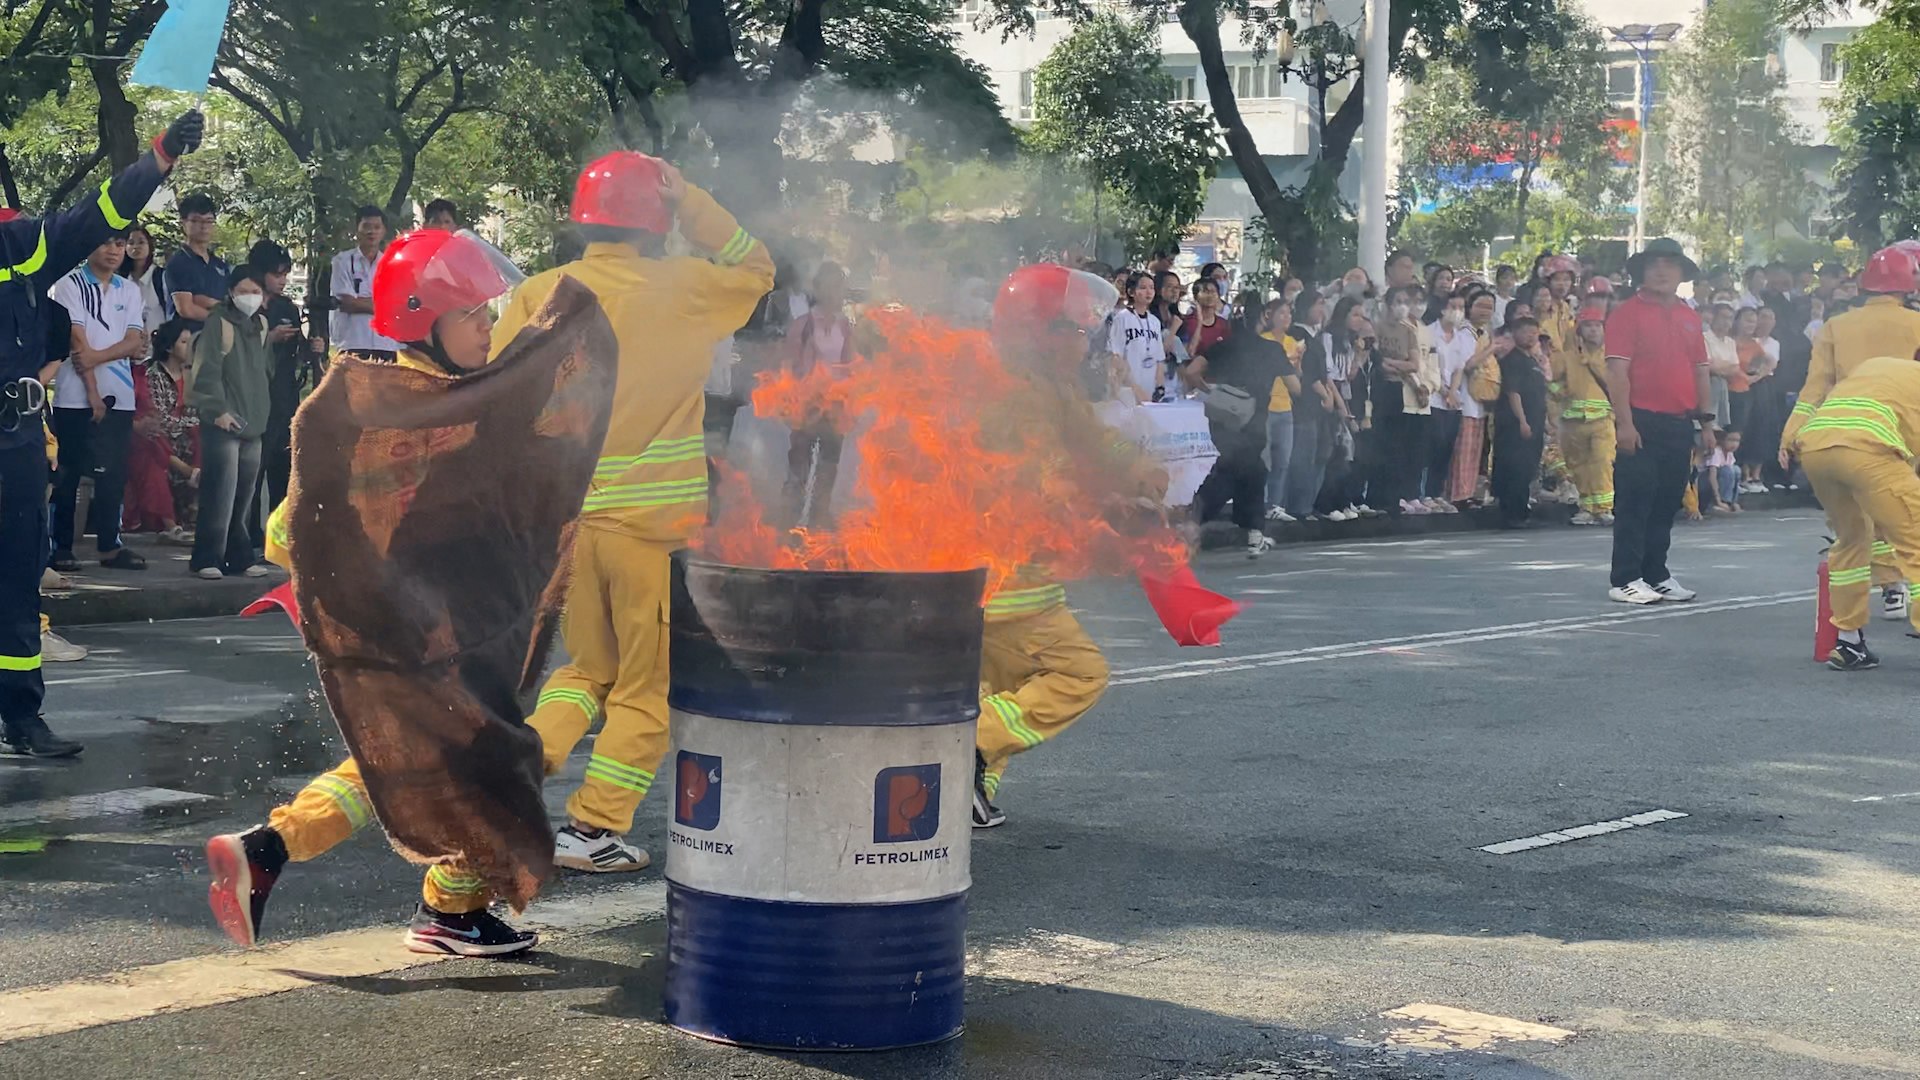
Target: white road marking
(1884, 798)
(1187, 669)
(1263, 592)
(123, 675)
(104, 804)
(1288, 573)
(237, 975)
(1577, 832)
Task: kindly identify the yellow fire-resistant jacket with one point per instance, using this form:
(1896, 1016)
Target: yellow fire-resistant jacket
(1560, 326)
(1069, 442)
(1875, 408)
(1881, 327)
(667, 314)
(1585, 382)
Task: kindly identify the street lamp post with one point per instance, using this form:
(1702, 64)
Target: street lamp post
(1641, 38)
(1373, 129)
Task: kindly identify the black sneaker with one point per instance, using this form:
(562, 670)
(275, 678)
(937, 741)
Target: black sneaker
(472, 933)
(33, 738)
(985, 814)
(245, 866)
(1847, 656)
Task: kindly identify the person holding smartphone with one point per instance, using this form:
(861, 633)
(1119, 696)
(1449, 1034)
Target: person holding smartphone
(232, 369)
(295, 373)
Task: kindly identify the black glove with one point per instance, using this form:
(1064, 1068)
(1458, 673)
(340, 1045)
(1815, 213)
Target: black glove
(183, 135)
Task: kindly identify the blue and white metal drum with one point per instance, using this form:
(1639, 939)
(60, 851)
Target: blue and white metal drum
(822, 764)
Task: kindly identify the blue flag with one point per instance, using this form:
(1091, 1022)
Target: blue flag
(181, 50)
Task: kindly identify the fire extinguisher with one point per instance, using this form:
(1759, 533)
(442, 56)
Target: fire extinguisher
(1825, 634)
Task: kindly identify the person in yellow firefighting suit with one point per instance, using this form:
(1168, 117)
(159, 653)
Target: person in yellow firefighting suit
(1039, 671)
(649, 493)
(1586, 417)
(1857, 451)
(1883, 326)
(447, 329)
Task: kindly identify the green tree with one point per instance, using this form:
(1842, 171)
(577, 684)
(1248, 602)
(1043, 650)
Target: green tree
(1877, 126)
(1732, 162)
(1543, 119)
(1103, 104)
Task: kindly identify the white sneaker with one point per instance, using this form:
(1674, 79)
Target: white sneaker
(1339, 515)
(1671, 589)
(1606, 519)
(1583, 518)
(1635, 592)
(1366, 511)
(597, 851)
(256, 570)
(54, 579)
(1258, 543)
(209, 573)
(1893, 604)
(59, 650)
(1412, 506)
(1276, 513)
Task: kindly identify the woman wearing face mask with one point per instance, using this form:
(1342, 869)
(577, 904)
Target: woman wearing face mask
(1470, 446)
(233, 368)
(1455, 344)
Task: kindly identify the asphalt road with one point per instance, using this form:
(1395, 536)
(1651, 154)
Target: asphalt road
(1261, 861)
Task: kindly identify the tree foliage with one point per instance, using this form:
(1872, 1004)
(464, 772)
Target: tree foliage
(1103, 104)
(1877, 126)
(1733, 164)
(1479, 141)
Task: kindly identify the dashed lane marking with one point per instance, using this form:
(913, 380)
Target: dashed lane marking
(1188, 669)
(238, 975)
(99, 805)
(1886, 798)
(1580, 832)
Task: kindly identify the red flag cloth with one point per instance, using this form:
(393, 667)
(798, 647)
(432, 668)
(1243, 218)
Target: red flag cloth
(1190, 611)
(281, 598)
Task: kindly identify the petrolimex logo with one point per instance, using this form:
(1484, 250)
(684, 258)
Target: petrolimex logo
(696, 790)
(906, 804)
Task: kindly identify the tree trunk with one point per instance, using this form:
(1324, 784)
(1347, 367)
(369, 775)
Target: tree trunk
(118, 136)
(1201, 20)
(7, 184)
(1520, 203)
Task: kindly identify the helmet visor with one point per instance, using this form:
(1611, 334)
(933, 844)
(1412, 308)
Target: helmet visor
(465, 273)
(1089, 299)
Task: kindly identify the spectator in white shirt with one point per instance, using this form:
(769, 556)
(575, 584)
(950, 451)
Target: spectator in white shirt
(1134, 341)
(351, 324)
(1454, 343)
(93, 402)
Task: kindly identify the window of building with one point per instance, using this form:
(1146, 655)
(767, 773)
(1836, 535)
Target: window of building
(1830, 66)
(1026, 95)
(1187, 89)
(1256, 81)
(1621, 79)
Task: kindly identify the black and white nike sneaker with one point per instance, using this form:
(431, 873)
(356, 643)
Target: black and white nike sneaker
(985, 814)
(596, 851)
(473, 933)
(1848, 656)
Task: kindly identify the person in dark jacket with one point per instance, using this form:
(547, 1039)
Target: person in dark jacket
(33, 255)
(232, 373)
(1248, 361)
(296, 371)
(1520, 425)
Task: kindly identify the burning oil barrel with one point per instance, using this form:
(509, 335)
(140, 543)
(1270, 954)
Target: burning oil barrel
(822, 756)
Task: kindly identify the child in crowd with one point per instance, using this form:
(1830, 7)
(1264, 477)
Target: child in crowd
(1720, 476)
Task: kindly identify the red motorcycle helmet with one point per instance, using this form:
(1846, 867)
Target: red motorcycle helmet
(622, 191)
(1035, 297)
(1891, 270)
(430, 272)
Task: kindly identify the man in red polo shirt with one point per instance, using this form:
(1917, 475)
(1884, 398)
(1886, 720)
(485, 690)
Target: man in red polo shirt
(1657, 381)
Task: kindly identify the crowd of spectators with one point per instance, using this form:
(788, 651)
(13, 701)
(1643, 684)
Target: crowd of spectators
(176, 383)
(1443, 389)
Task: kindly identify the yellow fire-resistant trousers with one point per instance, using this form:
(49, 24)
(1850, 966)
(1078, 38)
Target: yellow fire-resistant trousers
(1865, 492)
(334, 806)
(1590, 446)
(1038, 674)
(615, 631)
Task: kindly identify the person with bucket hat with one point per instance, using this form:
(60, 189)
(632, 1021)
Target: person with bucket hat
(1656, 382)
(1881, 326)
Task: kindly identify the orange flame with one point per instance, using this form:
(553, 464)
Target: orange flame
(961, 464)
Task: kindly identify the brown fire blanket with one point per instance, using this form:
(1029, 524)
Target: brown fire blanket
(430, 529)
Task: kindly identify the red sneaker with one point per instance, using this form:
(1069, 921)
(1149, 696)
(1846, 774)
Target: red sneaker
(245, 866)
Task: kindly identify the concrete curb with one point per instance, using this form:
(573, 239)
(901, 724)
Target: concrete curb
(1221, 534)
